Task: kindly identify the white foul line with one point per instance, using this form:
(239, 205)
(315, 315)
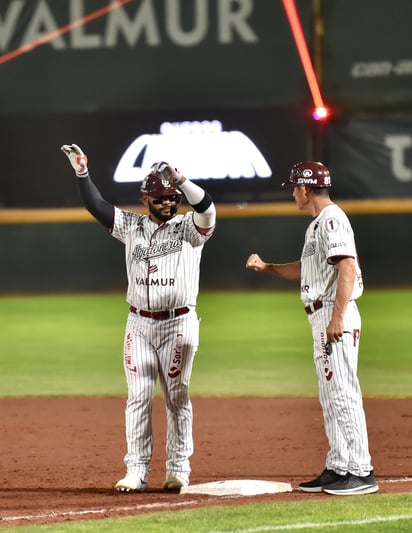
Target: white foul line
(54, 514)
(317, 525)
(160, 505)
(399, 480)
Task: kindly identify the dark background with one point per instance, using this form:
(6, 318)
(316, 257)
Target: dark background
(123, 74)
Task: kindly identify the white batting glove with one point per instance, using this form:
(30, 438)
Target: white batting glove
(166, 172)
(77, 158)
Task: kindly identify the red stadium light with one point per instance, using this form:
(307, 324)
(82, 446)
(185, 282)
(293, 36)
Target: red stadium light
(320, 112)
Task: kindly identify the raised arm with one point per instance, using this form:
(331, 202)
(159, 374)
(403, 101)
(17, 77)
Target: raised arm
(204, 216)
(102, 210)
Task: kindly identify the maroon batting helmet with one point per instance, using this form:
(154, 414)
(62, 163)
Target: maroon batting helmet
(157, 187)
(310, 173)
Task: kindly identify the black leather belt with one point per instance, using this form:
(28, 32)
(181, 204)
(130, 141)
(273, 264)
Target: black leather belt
(160, 315)
(313, 306)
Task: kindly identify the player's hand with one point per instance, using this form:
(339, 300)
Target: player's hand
(77, 158)
(166, 172)
(254, 262)
(334, 330)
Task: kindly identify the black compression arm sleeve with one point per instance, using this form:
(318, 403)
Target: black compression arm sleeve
(102, 210)
(203, 204)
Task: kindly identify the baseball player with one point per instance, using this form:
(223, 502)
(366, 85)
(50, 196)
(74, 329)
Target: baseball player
(330, 282)
(163, 251)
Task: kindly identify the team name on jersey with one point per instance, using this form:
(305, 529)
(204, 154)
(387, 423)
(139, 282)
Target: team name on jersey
(160, 282)
(145, 253)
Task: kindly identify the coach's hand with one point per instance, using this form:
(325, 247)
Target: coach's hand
(77, 158)
(254, 262)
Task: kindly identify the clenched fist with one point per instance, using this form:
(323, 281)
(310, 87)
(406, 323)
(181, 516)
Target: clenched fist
(254, 262)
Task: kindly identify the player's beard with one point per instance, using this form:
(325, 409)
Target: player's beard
(158, 212)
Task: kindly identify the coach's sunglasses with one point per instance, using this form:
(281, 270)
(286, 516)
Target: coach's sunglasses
(170, 198)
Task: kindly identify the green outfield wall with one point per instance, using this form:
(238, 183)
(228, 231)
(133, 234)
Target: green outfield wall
(71, 256)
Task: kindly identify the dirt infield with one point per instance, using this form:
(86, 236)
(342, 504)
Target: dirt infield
(61, 457)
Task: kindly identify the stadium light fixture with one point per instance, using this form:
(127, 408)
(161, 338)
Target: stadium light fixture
(320, 112)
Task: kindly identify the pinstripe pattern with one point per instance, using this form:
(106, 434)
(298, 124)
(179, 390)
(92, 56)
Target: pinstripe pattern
(330, 234)
(340, 393)
(163, 263)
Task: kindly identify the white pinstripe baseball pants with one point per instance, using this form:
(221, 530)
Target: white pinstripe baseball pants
(340, 393)
(163, 349)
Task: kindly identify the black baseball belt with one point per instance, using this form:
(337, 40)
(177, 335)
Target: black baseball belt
(160, 315)
(313, 306)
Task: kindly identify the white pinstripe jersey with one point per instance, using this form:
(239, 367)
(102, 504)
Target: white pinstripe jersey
(329, 235)
(162, 261)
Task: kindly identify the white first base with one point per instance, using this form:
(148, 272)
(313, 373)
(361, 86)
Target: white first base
(241, 487)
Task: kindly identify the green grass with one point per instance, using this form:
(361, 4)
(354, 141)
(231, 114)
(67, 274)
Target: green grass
(252, 344)
(62, 345)
(373, 514)
(385, 362)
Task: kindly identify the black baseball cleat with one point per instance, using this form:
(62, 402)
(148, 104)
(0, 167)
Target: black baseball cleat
(326, 478)
(353, 485)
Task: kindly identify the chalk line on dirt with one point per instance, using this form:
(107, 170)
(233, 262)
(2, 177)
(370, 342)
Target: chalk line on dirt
(55, 514)
(148, 506)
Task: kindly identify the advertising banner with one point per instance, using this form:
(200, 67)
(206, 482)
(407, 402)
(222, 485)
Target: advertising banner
(239, 155)
(371, 157)
(88, 55)
(367, 54)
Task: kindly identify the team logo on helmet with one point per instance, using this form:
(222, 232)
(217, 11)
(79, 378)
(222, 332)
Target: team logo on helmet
(155, 186)
(307, 173)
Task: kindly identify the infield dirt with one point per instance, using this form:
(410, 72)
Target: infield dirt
(60, 457)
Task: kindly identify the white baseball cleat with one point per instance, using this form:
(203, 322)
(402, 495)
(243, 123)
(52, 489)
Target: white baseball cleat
(131, 483)
(174, 482)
